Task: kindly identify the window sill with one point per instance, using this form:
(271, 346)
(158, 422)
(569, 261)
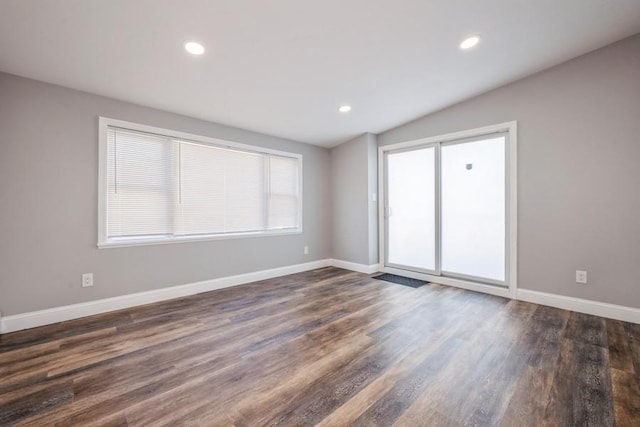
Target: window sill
(119, 243)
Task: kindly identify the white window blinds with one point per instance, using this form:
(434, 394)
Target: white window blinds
(141, 194)
(165, 188)
(222, 191)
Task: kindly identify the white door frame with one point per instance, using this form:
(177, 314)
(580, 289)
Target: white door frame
(511, 205)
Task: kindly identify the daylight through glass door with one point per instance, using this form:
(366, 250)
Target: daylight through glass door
(446, 209)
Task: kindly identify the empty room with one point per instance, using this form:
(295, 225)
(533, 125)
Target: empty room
(331, 213)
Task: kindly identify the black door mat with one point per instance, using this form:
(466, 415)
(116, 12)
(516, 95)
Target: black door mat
(400, 280)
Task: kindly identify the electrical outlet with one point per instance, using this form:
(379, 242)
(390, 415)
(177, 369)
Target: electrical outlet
(581, 277)
(87, 280)
(305, 250)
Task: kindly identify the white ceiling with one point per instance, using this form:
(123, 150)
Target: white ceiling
(283, 67)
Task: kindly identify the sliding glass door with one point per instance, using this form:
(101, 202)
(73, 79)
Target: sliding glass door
(473, 209)
(446, 209)
(410, 211)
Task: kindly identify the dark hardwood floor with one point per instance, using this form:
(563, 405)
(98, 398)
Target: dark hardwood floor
(327, 347)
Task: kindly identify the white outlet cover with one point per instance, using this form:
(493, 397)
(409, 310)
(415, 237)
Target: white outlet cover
(87, 280)
(581, 276)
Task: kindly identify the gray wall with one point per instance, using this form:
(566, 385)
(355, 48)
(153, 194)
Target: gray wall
(48, 205)
(579, 181)
(354, 175)
(578, 170)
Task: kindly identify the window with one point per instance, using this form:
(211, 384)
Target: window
(159, 186)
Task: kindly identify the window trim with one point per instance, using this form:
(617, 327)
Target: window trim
(104, 242)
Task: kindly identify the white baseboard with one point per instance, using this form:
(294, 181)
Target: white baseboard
(360, 268)
(602, 309)
(60, 314)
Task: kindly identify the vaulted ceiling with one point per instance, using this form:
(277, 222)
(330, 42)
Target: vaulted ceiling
(283, 67)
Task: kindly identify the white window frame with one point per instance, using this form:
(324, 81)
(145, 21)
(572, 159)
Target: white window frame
(511, 282)
(104, 123)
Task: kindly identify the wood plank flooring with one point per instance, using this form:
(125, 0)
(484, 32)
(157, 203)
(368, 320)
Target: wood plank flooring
(327, 347)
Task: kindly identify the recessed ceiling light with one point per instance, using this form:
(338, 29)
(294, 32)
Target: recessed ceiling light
(194, 48)
(470, 42)
(344, 108)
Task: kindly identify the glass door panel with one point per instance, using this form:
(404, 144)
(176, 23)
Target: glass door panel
(411, 209)
(473, 215)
